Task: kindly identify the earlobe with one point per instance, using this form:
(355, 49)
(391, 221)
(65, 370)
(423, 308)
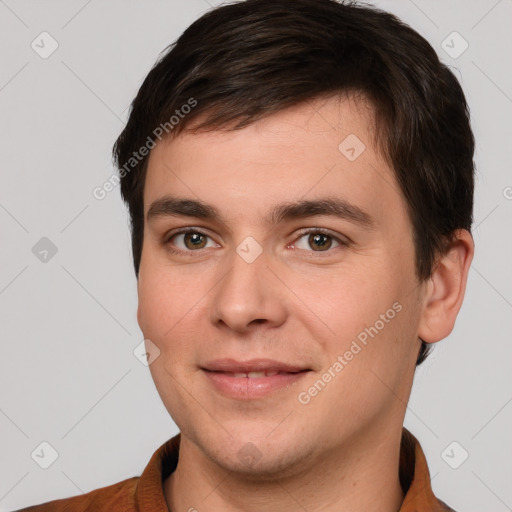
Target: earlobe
(446, 288)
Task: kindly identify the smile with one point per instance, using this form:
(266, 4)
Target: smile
(253, 379)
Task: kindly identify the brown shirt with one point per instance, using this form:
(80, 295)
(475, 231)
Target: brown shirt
(145, 493)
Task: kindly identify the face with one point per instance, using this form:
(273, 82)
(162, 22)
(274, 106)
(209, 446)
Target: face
(277, 280)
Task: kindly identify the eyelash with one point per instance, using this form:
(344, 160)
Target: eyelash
(342, 242)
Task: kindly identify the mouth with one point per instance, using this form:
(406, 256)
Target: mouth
(252, 379)
(254, 374)
(262, 366)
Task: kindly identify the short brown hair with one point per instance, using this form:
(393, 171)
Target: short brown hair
(246, 60)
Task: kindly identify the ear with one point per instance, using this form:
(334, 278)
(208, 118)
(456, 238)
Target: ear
(139, 317)
(139, 309)
(445, 289)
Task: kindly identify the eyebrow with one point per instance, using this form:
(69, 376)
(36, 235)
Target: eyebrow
(169, 206)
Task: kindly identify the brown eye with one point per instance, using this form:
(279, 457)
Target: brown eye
(316, 240)
(189, 241)
(320, 241)
(194, 240)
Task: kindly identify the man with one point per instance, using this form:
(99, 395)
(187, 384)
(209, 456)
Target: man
(299, 176)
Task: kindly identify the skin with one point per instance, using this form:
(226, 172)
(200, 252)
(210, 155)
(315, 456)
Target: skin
(295, 303)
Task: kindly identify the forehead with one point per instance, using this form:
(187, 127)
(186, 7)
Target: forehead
(323, 146)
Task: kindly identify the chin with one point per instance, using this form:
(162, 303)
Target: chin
(258, 466)
(252, 452)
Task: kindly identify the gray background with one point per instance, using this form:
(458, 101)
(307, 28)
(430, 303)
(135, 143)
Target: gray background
(68, 324)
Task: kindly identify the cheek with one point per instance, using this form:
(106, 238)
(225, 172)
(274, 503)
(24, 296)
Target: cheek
(164, 295)
(371, 316)
(164, 310)
(152, 309)
(173, 388)
(172, 313)
(350, 300)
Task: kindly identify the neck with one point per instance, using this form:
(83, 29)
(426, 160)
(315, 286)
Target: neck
(361, 475)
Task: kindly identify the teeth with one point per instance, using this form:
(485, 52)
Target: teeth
(255, 375)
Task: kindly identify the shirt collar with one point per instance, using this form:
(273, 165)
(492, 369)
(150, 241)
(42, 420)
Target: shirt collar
(415, 478)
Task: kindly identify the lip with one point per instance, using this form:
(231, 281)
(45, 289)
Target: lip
(252, 365)
(225, 376)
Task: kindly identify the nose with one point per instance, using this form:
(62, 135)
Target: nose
(249, 295)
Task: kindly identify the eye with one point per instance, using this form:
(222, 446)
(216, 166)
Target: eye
(318, 240)
(190, 240)
(312, 240)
